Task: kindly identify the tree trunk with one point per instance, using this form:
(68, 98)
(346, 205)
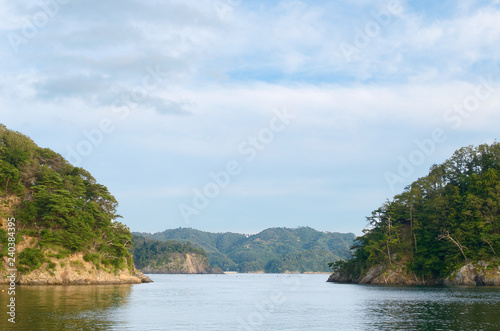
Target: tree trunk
(446, 235)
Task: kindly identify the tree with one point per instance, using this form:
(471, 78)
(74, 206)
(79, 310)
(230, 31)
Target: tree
(450, 216)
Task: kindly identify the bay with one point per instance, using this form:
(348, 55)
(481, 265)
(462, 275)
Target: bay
(252, 302)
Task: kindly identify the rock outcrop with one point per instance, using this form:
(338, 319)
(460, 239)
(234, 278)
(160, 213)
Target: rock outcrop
(73, 270)
(477, 274)
(471, 274)
(183, 264)
(142, 277)
(55, 269)
(380, 275)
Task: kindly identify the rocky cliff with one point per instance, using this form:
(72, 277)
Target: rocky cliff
(471, 274)
(51, 266)
(73, 270)
(180, 263)
(170, 257)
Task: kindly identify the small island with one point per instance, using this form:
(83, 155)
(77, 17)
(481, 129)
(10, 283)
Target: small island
(170, 257)
(443, 229)
(61, 224)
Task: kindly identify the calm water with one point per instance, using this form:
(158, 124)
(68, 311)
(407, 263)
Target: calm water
(252, 302)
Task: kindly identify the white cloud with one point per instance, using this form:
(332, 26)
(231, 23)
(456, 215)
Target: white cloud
(224, 73)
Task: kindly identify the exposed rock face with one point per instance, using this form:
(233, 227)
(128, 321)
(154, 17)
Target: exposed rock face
(379, 275)
(71, 270)
(74, 270)
(337, 277)
(183, 264)
(142, 277)
(478, 274)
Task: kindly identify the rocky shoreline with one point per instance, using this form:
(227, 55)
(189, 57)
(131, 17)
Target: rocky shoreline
(480, 273)
(100, 279)
(73, 271)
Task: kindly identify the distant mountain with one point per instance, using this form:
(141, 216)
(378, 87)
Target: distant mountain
(273, 250)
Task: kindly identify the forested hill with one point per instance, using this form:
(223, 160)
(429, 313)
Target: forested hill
(445, 225)
(64, 220)
(169, 257)
(272, 250)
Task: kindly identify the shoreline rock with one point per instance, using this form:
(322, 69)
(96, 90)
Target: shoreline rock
(74, 270)
(142, 277)
(480, 273)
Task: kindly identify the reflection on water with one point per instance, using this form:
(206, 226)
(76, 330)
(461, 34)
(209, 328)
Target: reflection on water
(64, 307)
(434, 308)
(251, 302)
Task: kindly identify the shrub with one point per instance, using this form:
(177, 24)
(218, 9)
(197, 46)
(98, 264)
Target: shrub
(119, 263)
(3, 242)
(62, 254)
(49, 236)
(95, 258)
(32, 258)
(29, 232)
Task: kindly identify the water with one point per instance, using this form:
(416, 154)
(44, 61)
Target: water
(252, 302)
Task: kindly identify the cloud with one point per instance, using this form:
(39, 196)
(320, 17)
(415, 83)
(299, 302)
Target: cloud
(166, 107)
(94, 43)
(228, 68)
(87, 49)
(70, 86)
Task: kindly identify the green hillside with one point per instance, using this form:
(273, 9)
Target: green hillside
(155, 253)
(60, 208)
(273, 250)
(441, 222)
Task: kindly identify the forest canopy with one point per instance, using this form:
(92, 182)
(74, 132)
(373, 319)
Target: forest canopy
(273, 250)
(61, 206)
(440, 222)
(154, 253)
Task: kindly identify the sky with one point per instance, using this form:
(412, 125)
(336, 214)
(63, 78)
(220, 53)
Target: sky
(236, 115)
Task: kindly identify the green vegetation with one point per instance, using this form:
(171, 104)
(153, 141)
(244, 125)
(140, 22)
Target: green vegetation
(440, 222)
(3, 243)
(61, 206)
(155, 254)
(273, 250)
(30, 259)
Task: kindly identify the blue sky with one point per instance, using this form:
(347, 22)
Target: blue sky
(158, 99)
